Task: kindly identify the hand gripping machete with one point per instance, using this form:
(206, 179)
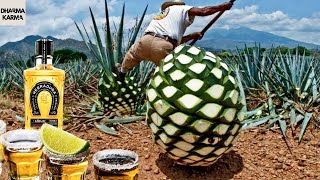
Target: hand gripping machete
(210, 24)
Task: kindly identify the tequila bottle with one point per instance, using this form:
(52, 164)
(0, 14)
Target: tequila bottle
(43, 89)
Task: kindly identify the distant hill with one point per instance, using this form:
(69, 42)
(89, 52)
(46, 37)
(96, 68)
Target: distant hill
(233, 38)
(25, 47)
(215, 39)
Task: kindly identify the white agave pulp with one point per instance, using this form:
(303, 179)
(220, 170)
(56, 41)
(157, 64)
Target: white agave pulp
(197, 117)
(197, 68)
(189, 101)
(194, 84)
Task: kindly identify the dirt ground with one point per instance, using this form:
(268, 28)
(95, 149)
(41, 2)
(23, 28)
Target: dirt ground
(258, 154)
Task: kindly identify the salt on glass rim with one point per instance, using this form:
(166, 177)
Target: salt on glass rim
(10, 139)
(2, 127)
(70, 157)
(109, 167)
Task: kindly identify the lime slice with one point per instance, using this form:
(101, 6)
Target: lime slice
(61, 142)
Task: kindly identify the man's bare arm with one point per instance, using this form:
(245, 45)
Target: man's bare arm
(195, 35)
(209, 10)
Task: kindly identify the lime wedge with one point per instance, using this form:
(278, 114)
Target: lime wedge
(61, 142)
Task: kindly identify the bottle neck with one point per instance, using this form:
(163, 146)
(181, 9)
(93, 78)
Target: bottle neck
(42, 63)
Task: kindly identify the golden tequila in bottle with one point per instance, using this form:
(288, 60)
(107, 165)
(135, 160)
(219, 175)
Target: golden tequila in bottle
(66, 167)
(43, 89)
(23, 154)
(116, 164)
(2, 130)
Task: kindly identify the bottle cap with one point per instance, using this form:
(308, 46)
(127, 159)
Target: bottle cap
(44, 48)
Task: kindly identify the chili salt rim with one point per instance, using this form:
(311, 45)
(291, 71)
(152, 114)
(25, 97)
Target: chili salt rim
(10, 138)
(109, 167)
(71, 157)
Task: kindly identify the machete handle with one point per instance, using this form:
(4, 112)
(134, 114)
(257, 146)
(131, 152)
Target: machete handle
(209, 24)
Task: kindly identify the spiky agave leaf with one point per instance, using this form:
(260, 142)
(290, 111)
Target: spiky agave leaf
(5, 80)
(115, 95)
(17, 66)
(292, 86)
(293, 76)
(253, 63)
(80, 73)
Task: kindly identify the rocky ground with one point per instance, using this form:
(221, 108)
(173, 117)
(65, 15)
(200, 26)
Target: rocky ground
(259, 153)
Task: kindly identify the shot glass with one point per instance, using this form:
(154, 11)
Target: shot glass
(22, 153)
(66, 167)
(2, 130)
(116, 164)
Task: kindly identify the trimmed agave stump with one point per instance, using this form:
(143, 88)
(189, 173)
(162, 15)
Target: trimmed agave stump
(123, 97)
(194, 106)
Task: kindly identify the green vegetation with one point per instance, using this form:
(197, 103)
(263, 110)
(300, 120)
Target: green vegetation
(61, 142)
(67, 55)
(195, 106)
(286, 87)
(116, 96)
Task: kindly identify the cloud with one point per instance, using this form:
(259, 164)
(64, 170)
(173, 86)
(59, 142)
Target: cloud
(56, 17)
(305, 29)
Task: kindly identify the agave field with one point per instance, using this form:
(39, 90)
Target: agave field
(268, 99)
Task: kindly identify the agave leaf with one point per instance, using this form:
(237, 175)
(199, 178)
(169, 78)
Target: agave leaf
(93, 48)
(89, 46)
(270, 102)
(137, 29)
(255, 122)
(283, 127)
(106, 129)
(118, 53)
(274, 120)
(21, 119)
(305, 122)
(309, 81)
(285, 66)
(94, 108)
(242, 93)
(108, 38)
(92, 99)
(306, 77)
(314, 90)
(256, 56)
(302, 69)
(292, 117)
(5, 80)
(124, 120)
(97, 37)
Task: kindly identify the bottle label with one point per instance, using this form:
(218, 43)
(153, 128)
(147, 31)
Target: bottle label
(36, 123)
(44, 86)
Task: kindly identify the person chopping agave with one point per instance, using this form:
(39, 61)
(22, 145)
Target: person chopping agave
(165, 32)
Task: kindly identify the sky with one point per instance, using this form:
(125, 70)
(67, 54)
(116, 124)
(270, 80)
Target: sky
(295, 19)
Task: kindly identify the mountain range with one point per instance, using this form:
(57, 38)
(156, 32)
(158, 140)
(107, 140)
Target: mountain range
(25, 47)
(237, 38)
(215, 39)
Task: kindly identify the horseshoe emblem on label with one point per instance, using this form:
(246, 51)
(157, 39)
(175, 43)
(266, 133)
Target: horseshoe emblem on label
(44, 86)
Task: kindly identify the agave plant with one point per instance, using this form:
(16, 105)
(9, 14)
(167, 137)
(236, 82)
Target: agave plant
(253, 63)
(80, 74)
(16, 71)
(114, 95)
(5, 80)
(292, 94)
(293, 76)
